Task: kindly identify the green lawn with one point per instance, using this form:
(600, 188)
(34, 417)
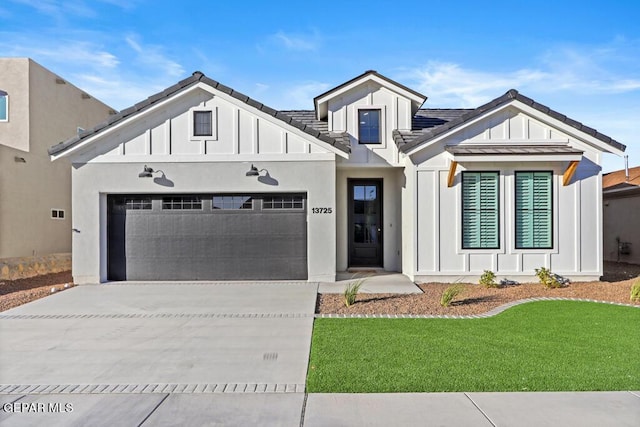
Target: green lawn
(539, 346)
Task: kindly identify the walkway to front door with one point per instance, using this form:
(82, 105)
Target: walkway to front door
(365, 223)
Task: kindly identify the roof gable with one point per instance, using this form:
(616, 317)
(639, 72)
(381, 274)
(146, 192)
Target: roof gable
(511, 97)
(61, 149)
(321, 101)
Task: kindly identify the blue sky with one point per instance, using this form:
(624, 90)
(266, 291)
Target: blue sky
(579, 58)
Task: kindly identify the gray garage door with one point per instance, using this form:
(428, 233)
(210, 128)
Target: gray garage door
(207, 237)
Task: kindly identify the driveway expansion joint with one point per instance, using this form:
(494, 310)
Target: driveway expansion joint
(156, 388)
(159, 316)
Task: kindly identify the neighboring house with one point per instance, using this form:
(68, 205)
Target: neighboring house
(202, 182)
(621, 194)
(37, 109)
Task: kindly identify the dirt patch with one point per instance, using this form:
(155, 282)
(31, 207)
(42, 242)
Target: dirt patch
(476, 299)
(21, 291)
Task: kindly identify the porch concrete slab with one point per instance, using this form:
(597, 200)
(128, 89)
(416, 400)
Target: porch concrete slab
(270, 409)
(80, 410)
(177, 298)
(560, 408)
(386, 283)
(402, 409)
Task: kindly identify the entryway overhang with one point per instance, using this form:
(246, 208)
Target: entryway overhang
(514, 153)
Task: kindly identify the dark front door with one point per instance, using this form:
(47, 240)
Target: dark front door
(365, 223)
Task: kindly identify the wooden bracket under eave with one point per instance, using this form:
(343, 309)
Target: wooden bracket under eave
(452, 173)
(568, 174)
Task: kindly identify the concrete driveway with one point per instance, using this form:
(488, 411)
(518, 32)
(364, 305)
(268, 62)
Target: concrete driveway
(151, 338)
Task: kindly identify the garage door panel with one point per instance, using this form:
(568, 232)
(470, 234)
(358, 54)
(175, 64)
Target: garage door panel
(205, 244)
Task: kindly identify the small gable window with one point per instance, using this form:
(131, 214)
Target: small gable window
(369, 126)
(202, 123)
(4, 106)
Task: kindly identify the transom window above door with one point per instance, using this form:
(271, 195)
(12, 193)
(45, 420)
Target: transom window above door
(369, 126)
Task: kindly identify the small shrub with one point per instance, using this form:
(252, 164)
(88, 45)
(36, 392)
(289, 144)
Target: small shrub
(635, 291)
(449, 294)
(549, 279)
(488, 279)
(351, 292)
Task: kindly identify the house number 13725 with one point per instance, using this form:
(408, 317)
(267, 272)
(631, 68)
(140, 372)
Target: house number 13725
(321, 210)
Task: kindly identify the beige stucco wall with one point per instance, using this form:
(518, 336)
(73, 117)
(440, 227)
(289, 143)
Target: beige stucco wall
(621, 219)
(42, 112)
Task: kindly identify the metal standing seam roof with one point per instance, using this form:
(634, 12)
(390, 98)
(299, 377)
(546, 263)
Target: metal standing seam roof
(334, 139)
(515, 149)
(507, 97)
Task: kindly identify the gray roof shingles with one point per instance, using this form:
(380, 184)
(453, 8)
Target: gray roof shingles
(512, 94)
(339, 141)
(426, 123)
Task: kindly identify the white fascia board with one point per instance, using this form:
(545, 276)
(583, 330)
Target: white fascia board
(476, 158)
(565, 128)
(125, 122)
(532, 112)
(384, 83)
(199, 86)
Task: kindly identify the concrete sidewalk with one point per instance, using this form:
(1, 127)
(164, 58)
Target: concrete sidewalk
(378, 283)
(583, 409)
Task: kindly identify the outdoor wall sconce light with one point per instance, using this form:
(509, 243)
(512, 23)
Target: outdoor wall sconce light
(18, 159)
(253, 171)
(147, 172)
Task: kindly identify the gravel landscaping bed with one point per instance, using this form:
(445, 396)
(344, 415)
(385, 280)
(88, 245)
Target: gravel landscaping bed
(21, 291)
(476, 299)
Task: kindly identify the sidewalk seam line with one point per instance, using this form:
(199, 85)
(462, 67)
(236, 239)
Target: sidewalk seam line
(304, 409)
(480, 409)
(153, 410)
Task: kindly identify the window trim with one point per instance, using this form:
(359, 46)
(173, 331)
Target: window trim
(381, 120)
(499, 212)
(214, 124)
(515, 210)
(57, 213)
(6, 119)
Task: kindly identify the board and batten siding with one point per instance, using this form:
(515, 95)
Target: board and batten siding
(395, 114)
(577, 233)
(166, 132)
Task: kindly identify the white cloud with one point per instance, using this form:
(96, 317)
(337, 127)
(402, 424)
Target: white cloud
(297, 42)
(152, 57)
(301, 95)
(607, 70)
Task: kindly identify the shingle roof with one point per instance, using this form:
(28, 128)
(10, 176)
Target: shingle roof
(619, 178)
(366, 73)
(507, 97)
(424, 119)
(338, 140)
(308, 117)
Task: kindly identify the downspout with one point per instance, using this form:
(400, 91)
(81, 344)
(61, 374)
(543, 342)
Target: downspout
(626, 168)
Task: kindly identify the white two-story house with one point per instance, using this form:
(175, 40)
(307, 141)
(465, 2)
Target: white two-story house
(200, 182)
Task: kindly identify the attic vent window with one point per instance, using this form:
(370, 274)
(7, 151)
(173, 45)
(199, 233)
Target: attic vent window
(202, 123)
(369, 126)
(57, 214)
